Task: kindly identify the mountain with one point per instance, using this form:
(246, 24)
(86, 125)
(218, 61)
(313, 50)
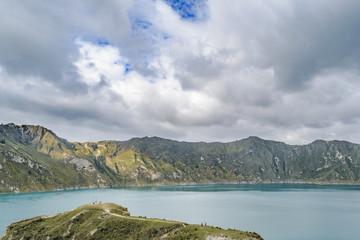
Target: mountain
(111, 221)
(33, 158)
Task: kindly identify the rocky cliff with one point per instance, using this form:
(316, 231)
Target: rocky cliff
(33, 158)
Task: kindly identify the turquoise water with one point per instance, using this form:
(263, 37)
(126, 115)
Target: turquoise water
(276, 211)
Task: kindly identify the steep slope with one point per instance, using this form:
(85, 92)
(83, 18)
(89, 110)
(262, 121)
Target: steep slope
(251, 159)
(33, 158)
(110, 221)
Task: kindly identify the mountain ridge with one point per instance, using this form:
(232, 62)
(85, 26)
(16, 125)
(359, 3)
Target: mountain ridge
(34, 158)
(174, 140)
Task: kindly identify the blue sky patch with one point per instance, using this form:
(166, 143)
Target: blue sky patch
(102, 42)
(194, 10)
(128, 68)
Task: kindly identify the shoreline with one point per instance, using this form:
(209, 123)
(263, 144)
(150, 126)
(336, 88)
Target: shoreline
(193, 184)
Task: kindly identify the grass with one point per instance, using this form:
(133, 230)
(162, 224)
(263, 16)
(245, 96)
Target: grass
(111, 221)
(147, 161)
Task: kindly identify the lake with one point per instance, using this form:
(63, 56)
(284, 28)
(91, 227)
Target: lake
(275, 211)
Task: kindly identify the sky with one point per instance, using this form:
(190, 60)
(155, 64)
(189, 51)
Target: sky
(205, 70)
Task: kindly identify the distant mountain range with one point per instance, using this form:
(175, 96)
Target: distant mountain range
(33, 158)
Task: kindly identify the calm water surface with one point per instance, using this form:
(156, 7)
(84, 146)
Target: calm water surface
(276, 211)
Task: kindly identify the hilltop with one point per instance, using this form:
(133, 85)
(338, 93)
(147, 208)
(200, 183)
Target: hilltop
(33, 158)
(111, 221)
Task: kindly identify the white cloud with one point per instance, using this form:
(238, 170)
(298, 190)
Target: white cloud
(279, 70)
(96, 62)
(161, 99)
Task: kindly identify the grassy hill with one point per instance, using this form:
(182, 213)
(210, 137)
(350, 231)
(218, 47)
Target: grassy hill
(33, 158)
(110, 221)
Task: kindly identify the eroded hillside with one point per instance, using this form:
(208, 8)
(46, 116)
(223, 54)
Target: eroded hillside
(33, 158)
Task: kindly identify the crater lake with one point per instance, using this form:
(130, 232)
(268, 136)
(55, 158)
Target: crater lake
(275, 211)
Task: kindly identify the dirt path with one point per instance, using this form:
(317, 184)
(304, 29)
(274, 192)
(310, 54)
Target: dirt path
(140, 218)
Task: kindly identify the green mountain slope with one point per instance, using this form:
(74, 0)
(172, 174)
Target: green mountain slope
(110, 221)
(33, 158)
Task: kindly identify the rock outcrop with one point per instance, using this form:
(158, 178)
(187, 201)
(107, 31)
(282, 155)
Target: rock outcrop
(33, 158)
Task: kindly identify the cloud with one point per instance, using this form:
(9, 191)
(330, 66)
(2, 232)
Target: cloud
(37, 36)
(205, 70)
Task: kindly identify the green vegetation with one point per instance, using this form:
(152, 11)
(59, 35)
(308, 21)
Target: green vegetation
(33, 158)
(110, 221)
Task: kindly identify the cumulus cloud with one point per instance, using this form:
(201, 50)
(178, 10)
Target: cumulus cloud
(188, 70)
